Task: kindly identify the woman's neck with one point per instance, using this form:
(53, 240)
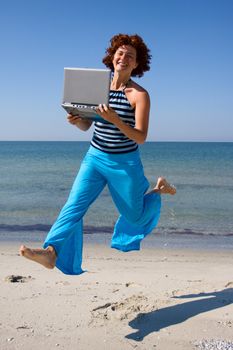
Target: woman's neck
(119, 82)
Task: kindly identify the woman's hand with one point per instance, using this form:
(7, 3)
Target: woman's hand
(73, 119)
(107, 113)
(82, 124)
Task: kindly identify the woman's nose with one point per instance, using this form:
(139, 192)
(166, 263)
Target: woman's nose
(124, 56)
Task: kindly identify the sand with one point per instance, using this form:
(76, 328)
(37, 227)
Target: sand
(153, 299)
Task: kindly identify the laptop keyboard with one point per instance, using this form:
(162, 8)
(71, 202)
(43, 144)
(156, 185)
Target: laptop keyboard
(84, 107)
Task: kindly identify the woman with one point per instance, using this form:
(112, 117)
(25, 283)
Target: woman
(113, 159)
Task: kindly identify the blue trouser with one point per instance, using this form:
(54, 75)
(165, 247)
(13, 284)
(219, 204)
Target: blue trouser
(123, 173)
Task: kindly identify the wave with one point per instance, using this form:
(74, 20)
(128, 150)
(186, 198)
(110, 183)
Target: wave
(196, 187)
(88, 229)
(189, 231)
(46, 228)
(16, 228)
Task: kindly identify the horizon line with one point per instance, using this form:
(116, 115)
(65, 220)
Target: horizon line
(151, 141)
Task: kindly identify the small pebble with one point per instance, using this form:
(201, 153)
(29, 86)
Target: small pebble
(10, 339)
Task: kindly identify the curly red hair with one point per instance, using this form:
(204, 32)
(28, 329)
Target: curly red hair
(143, 53)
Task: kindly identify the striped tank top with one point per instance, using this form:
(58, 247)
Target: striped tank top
(107, 137)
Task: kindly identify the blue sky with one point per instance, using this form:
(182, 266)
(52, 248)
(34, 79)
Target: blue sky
(190, 81)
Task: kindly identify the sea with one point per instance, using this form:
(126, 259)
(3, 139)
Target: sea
(36, 177)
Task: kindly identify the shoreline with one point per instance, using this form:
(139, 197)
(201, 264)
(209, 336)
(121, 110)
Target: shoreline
(150, 299)
(152, 241)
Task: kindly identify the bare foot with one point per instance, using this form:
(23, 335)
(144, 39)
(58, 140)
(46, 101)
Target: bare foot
(164, 187)
(46, 257)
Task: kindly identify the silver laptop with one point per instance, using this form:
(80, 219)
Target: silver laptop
(84, 90)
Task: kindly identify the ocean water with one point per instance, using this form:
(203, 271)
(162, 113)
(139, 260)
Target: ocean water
(36, 177)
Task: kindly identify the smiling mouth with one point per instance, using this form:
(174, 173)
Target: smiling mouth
(122, 64)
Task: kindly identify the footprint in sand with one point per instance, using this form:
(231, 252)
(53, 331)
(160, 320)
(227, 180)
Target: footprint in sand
(64, 283)
(124, 309)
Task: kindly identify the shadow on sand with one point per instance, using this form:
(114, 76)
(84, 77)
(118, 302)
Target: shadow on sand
(153, 321)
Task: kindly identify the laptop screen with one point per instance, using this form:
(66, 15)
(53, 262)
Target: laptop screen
(86, 86)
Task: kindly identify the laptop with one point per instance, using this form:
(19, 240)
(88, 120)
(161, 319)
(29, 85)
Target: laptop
(84, 90)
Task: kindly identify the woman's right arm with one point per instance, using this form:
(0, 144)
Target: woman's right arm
(82, 124)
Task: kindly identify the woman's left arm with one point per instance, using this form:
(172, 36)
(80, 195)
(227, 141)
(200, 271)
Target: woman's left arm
(142, 110)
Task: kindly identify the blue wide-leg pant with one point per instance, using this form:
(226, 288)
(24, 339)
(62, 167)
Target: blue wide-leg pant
(139, 212)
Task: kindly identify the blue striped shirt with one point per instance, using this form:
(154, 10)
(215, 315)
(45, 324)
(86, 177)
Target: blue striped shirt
(107, 137)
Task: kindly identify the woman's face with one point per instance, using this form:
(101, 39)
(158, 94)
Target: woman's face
(125, 59)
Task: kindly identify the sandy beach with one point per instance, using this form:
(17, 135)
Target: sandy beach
(153, 299)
